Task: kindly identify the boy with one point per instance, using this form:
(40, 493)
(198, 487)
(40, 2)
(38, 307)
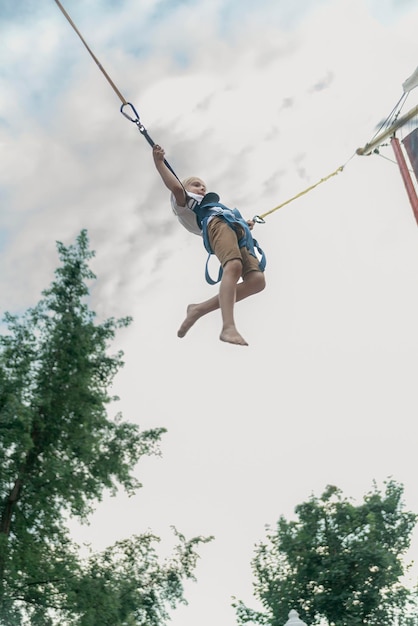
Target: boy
(224, 232)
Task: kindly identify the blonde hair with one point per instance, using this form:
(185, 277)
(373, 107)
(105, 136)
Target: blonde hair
(191, 179)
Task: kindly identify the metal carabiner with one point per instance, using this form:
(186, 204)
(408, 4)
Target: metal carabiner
(134, 119)
(258, 220)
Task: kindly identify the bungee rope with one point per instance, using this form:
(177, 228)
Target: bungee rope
(96, 60)
(128, 110)
(260, 218)
(133, 114)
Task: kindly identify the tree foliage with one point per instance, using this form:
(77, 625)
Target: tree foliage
(338, 562)
(59, 453)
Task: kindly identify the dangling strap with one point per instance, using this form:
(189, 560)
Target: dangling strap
(210, 280)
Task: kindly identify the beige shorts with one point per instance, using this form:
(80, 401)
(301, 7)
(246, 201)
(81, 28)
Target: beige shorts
(224, 242)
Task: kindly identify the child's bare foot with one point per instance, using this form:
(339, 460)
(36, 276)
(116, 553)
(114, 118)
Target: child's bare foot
(192, 315)
(231, 335)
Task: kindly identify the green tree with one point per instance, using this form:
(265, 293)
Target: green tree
(338, 562)
(59, 453)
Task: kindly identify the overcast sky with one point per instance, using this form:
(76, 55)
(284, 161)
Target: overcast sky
(261, 99)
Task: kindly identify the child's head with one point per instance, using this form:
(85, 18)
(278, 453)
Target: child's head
(194, 185)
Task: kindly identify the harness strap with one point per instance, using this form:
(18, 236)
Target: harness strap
(210, 207)
(212, 281)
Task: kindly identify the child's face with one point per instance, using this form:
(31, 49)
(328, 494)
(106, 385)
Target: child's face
(196, 185)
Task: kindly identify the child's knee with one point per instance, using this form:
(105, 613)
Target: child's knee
(261, 281)
(257, 281)
(233, 267)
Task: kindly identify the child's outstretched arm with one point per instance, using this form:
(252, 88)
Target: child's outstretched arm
(168, 178)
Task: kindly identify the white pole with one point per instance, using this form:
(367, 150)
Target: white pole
(294, 619)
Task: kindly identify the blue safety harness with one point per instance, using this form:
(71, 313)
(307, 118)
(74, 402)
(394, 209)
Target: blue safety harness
(211, 206)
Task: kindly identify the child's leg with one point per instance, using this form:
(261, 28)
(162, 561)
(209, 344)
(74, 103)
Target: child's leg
(235, 262)
(227, 298)
(224, 300)
(253, 282)
(224, 242)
